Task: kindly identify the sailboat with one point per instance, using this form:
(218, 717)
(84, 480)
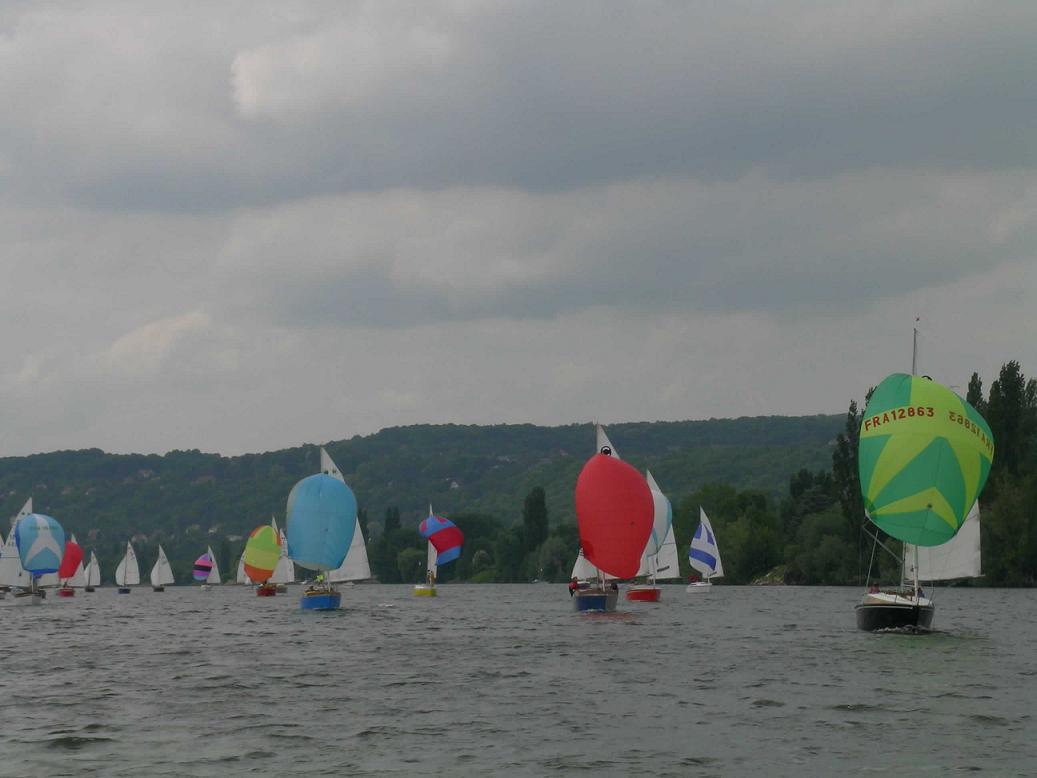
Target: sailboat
(284, 573)
(584, 573)
(260, 558)
(207, 570)
(41, 547)
(923, 458)
(614, 511)
(704, 555)
(659, 558)
(321, 517)
(161, 572)
(445, 544)
(92, 574)
(127, 573)
(71, 569)
(12, 574)
(355, 566)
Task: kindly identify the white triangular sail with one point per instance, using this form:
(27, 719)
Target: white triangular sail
(284, 573)
(11, 571)
(430, 560)
(128, 571)
(241, 576)
(78, 579)
(93, 571)
(662, 522)
(667, 565)
(704, 554)
(355, 566)
(959, 557)
(214, 574)
(583, 570)
(603, 441)
(161, 572)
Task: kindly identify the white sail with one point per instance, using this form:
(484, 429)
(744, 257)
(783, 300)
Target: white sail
(667, 565)
(603, 440)
(959, 557)
(430, 560)
(583, 570)
(704, 554)
(214, 574)
(128, 572)
(242, 577)
(25, 511)
(284, 573)
(78, 578)
(355, 566)
(11, 571)
(661, 525)
(161, 573)
(93, 571)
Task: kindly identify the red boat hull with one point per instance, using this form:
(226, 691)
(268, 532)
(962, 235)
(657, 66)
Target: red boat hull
(266, 591)
(66, 592)
(644, 594)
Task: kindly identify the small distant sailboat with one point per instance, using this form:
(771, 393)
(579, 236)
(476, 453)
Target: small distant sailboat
(355, 566)
(12, 574)
(284, 573)
(614, 511)
(127, 573)
(445, 544)
(659, 558)
(321, 517)
(161, 572)
(704, 555)
(207, 570)
(92, 573)
(41, 547)
(71, 571)
(260, 558)
(923, 458)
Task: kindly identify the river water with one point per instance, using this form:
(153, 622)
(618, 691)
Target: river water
(495, 680)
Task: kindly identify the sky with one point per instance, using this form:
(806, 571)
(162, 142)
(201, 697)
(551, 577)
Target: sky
(242, 226)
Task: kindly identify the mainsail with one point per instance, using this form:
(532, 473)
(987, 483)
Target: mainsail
(11, 571)
(161, 572)
(355, 567)
(93, 571)
(959, 557)
(659, 558)
(128, 571)
(703, 553)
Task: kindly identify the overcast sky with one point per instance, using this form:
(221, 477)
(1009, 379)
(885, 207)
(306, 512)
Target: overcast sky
(239, 226)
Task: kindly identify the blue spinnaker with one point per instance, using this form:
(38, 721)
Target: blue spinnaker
(41, 543)
(321, 518)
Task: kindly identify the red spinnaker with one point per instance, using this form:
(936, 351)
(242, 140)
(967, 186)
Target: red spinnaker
(614, 509)
(70, 562)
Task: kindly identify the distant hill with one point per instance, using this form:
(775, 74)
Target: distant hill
(107, 498)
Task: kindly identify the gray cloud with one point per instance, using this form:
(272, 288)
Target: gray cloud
(238, 225)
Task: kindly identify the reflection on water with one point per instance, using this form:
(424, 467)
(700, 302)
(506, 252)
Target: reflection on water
(508, 679)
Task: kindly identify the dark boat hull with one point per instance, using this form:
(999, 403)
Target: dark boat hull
(596, 600)
(874, 617)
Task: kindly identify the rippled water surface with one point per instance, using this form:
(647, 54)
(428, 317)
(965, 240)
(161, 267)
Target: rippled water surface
(508, 680)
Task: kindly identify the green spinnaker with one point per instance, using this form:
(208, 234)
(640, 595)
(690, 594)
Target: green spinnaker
(923, 458)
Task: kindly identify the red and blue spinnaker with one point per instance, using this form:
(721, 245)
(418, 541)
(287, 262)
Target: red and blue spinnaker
(444, 536)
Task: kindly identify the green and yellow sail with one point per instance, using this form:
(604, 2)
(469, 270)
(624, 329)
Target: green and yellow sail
(924, 457)
(262, 552)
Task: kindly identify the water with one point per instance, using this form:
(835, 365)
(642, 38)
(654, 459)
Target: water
(508, 680)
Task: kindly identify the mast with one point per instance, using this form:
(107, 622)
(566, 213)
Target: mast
(914, 371)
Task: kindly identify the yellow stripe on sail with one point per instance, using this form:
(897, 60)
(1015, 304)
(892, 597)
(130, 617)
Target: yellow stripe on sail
(895, 456)
(927, 499)
(969, 459)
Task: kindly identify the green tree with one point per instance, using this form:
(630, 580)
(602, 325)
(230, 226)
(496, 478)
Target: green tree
(410, 562)
(1012, 416)
(534, 518)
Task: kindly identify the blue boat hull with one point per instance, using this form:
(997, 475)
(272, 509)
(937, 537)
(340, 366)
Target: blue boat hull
(596, 600)
(325, 601)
